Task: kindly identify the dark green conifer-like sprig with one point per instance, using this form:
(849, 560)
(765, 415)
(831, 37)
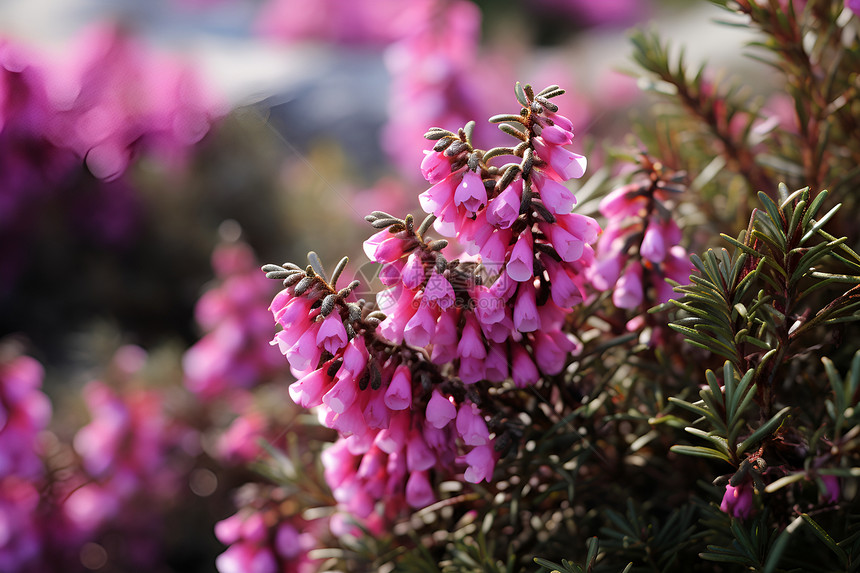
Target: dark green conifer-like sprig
(722, 109)
(814, 46)
(751, 303)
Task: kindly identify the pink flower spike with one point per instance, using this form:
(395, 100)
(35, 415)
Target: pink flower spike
(419, 492)
(523, 369)
(526, 318)
(440, 410)
(420, 328)
(471, 425)
(435, 166)
(504, 209)
(555, 196)
(563, 164)
(628, 291)
(481, 463)
(520, 267)
(738, 501)
(332, 334)
(398, 395)
(471, 193)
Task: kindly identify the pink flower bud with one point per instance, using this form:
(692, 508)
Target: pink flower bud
(471, 343)
(421, 327)
(332, 334)
(445, 338)
(523, 369)
(488, 308)
(471, 425)
(341, 395)
(526, 318)
(555, 196)
(568, 247)
(628, 291)
(496, 364)
(398, 395)
(383, 247)
(653, 246)
(412, 274)
(418, 456)
(565, 291)
(495, 249)
(440, 195)
(435, 166)
(471, 193)
(563, 164)
(471, 370)
(305, 353)
(504, 209)
(419, 492)
(440, 410)
(556, 135)
(551, 352)
(481, 462)
(738, 501)
(520, 267)
(439, 290)
(376, 414)
(393, 438)
(308, 390)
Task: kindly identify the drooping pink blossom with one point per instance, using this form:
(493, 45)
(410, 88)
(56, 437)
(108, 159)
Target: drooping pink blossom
(738, 500)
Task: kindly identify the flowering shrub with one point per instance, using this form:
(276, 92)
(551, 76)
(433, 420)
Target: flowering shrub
(645, 360)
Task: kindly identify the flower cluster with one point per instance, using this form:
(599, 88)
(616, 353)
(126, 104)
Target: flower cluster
(398, 381)
(233, 354)
(266, 538)
(639, 246)
(24, 412)
(114, 97)
(92, 111)
(132, 448)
